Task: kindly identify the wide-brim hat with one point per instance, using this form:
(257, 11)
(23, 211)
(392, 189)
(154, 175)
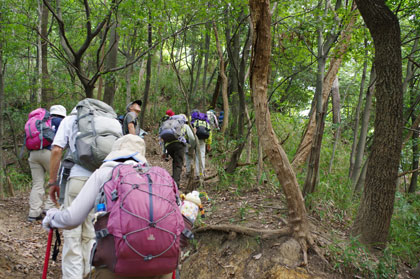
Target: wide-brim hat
(128, 147)
(139, 102)
(58, 110)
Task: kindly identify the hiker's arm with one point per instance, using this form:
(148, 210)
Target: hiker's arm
(79, 209)
(131, 128)
(56, 153)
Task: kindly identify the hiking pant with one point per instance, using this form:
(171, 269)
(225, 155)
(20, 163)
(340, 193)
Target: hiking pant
(104, 273)
(202, 154)
(176, 150)
(78, 241)
(39, 162)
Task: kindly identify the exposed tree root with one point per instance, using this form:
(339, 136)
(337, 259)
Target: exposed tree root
(264, 234)
(306, 241)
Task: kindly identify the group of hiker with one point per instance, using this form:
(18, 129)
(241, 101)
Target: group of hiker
(94, 162)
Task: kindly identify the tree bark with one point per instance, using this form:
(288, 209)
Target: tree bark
(361, 144)
(374, 215)
(111, 62)
(2, 67)
(357, 116)
(46, 85)
(224, 81)
(313, 165)
(324, 84)
(260, 61)
(148, 72)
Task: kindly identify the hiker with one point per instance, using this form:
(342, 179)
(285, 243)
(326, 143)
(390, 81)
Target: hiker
(221, 116)
(75, 134)
(39, 160)
(125, 167)
(214, 123)
(130, 123)
(168, 114)
(201, 125)
(176, 136)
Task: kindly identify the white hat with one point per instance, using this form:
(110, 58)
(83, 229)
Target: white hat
(58, 110)
(126, 147)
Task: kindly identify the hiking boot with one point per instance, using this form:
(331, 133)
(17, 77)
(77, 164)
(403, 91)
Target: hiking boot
(33, 219)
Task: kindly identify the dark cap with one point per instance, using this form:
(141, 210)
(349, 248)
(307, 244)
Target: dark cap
(139, 102)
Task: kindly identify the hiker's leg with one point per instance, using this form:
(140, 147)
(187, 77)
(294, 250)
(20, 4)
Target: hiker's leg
(178, 162)
(45, 162)
(202, 146)
(38, 180)
(88, 239)
(176, 151)
(72, 259)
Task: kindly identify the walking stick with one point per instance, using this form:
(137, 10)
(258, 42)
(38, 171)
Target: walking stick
(47, 254)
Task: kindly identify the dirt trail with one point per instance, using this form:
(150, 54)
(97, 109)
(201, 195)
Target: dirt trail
(213, 254)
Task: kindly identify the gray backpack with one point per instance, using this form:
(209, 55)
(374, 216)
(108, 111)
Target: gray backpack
(171, 129)
(98, 129)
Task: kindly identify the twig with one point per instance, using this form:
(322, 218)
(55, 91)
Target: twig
(264, 234)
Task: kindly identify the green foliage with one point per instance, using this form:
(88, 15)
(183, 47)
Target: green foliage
(353, 258)
(405, 228)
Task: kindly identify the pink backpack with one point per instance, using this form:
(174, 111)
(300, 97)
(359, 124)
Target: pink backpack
(139, 235)
(38, 131)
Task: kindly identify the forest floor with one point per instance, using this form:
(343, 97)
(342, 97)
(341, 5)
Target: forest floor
(214, 254)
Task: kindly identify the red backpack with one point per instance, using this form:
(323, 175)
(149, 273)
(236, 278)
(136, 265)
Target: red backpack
(38, 131)
(140, 230)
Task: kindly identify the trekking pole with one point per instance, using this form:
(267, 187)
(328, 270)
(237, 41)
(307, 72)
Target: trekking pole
(47, 254)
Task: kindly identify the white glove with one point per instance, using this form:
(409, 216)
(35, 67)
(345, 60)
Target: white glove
(46, 223)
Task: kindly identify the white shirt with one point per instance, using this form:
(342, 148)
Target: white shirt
(66, 137)
(77, 212)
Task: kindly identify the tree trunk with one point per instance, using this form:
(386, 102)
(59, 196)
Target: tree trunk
(111, 62)
(313, 165)
(128, 75)
(224, 82)
(335, 94)
(148, 72)
(361, 144)
(2, 159)
(323, 84)
(415, 161)
(357, 116)
(46, 85)
(260, 61)
(206, 56)
(242, 107)
(377, 204)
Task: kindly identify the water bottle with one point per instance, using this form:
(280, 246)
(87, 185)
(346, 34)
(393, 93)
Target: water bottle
(100, 207)
(100, 211)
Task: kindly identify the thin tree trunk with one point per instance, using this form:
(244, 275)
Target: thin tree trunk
(111, 62)
(260, 61)
(313, 166)
(2, 159)
(224, 82)
(415, 161)
(249, 140)
(361, 144)
(46, 85)
(335, 93)
(206, 56)
(128, 74)
(324, 85)
(357, 116)
(361, 179)
(148, 72)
